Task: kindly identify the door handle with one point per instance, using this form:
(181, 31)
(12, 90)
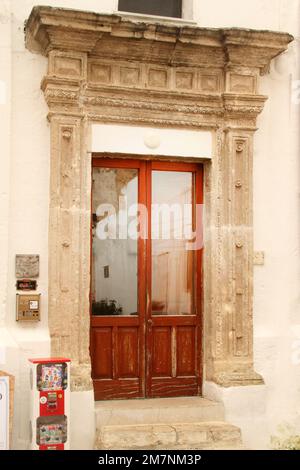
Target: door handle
(150, 322)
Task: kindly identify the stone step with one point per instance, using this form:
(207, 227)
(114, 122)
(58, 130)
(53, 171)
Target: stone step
(158, 410)
(203, 435)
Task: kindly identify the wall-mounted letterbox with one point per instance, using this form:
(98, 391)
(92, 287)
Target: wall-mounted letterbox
(28, 307)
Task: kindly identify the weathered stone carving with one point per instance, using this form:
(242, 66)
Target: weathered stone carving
(109, 69)
(27, 266)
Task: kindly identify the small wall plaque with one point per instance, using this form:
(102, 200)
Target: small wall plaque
(26, 284)
(27, 266)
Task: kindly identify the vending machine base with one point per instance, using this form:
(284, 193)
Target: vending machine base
(50, 403)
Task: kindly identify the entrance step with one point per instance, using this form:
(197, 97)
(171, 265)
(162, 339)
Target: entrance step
(188, 436)
(164, 423)
(157, 410)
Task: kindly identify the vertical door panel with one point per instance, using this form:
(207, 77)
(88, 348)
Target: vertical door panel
(117, 285)
(102, 349)
(162, 351)
(174, 308)
(128, 352)
(186, 351)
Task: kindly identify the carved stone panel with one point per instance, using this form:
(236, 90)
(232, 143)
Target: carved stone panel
(71, 64)
(242, 83)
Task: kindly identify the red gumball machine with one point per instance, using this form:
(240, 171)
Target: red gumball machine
(50, 403)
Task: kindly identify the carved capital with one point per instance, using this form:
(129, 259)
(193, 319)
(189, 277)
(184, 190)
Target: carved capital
(236, 105)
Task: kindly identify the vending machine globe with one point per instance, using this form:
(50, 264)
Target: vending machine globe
(50, 403)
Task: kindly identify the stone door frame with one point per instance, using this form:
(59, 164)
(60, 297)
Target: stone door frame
(109, 69)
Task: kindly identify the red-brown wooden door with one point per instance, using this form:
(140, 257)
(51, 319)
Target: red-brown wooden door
(146, 279)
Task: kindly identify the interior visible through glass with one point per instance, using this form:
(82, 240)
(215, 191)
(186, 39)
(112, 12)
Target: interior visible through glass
(171, 227)
(115, 253)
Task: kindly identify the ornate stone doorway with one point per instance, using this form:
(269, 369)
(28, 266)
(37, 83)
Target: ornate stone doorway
(106, 69)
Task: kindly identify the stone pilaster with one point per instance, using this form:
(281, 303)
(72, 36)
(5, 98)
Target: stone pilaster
(229, 244)
(69, 256)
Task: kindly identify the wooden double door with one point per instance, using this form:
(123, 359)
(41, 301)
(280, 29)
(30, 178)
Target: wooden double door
(146, 279)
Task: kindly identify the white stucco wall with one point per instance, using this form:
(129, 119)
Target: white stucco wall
(277, 232)
(24, 202)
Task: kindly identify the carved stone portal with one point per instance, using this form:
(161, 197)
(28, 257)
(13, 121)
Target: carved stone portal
(105, 68)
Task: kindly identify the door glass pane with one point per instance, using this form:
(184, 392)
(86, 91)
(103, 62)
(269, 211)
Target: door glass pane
(171, 231)
(115, 245)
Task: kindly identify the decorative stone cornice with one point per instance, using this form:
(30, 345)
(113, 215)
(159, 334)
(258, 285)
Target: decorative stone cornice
(113, 36)
(154, 73)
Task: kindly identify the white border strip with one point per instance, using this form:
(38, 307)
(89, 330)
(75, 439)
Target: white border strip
(114, 138)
